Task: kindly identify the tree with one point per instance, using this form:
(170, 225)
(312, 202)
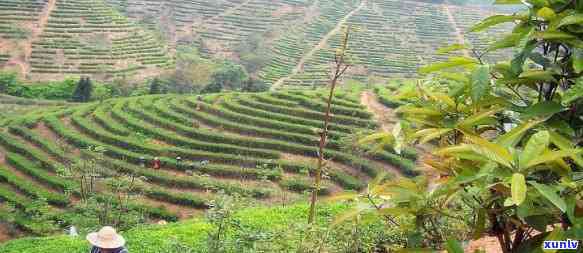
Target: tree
(7, 80)
(192, 73)
(155, 86)
(229, 76)
(253, 53)
(507, 135)
(83, 90)
(255, 85)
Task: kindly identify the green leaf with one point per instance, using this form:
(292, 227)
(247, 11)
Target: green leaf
(538, 3)
(565, 144)
(442, 98)
(560, 141)
(550, 194)
(450, 63)
(504, 69)
(534, 147)
(494, 20)
(554, 35)
(480, 83)
(512, 138)
(460, 77)
(429, 134)
(382, 140)
(510, 40)
(577, 60)
(348, 215)
(476, 119)
(493, 151)
(538, 75)
(518, 188)
(453, 246)
(546, 13)
(552, 156)
(451, 48)
(542, 109)
(561, 126)
(375, 138)
(574, 93)
(418, 111)
(517, 62)
(540, 59)
(571, 20)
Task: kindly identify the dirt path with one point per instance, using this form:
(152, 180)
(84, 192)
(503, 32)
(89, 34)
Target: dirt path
(458, 32)
(382, 114)
(487, 244)
(2, 157)
(37, 31)
(5, 234)
(182, 212)
(323, 42)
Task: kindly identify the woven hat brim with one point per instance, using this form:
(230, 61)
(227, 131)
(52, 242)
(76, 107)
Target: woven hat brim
(117, 242)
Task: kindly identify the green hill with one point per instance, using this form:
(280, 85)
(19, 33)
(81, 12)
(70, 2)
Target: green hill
(46, 40)
(260, 146)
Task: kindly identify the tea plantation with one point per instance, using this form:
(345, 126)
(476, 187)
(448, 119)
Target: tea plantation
(260, 146)
(135, 38)
(188, 236)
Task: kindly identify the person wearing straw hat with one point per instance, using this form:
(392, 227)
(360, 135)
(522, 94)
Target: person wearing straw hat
(106, 240)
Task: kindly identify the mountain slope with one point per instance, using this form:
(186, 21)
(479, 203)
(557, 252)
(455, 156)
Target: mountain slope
(260, 146)
(108, 38)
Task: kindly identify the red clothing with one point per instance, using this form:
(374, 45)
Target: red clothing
(157, 164)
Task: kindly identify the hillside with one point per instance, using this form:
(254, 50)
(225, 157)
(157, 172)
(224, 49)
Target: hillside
(189, 236)
(13, 106)
(49, 39)
(260, 146)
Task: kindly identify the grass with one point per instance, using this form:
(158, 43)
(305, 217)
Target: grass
(192, 233)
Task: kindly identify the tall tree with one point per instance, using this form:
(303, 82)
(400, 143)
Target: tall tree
(155, 86)
(229, 76)
(83, 90)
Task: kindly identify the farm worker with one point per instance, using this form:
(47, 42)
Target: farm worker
(106, 240)
(142, 161)
(73, 231)
(198, 102)
(156, 163)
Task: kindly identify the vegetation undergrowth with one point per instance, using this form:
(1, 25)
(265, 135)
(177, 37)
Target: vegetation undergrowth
(258, 229)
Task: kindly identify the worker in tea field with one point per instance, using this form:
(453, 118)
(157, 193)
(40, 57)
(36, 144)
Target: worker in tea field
(198, 102)
(107, 240)
(156, 164)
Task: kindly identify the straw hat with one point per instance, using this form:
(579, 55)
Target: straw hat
(106, 238)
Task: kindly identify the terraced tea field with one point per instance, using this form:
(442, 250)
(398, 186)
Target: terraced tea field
(389, 39)
(10, 107)
(108, 38)
(261, 146)
(89, 37)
